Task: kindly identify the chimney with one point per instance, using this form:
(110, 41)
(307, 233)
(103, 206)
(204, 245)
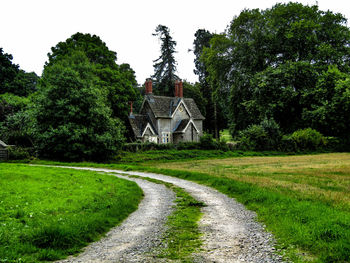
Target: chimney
(176, 92)
(180, 89)
(130, 107)
(148, 86)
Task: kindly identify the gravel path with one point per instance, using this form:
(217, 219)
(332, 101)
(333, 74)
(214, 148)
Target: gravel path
(138, 234)
(230, 232)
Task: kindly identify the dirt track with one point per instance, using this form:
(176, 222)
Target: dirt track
(230, 232)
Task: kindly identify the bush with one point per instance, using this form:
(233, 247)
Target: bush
(305, 140)
(265, 136)
(253, 138)
(19, 153)
(207, 142)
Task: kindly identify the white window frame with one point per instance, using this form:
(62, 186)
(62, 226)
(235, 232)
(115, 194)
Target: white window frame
(165, 137)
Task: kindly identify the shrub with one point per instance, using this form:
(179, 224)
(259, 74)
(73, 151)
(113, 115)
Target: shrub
(253, 138)
(306, 139)
(206, 142)
(19, 153)
(264, 136)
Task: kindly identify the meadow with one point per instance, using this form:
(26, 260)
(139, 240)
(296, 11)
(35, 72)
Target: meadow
(49, 213)
(304, 200)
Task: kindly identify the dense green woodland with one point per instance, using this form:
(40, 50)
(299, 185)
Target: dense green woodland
(268, 77)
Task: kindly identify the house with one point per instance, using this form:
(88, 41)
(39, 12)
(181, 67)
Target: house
(3, 151)
(167, 119)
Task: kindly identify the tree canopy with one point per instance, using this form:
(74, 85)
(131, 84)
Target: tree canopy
(165, 66)
(118, 80)
(271, 62)
(72, 113)
(13, 79)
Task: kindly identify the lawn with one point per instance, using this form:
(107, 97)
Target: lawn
(303, 200)
(48, 213)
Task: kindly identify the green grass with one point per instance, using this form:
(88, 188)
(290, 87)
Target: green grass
(182, 237)
(156, 156)
(49, 213)
(302, 199)
(226, 136)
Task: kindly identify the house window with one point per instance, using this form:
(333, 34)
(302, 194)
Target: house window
(165, 137)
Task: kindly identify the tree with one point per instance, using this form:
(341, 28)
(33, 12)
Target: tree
(15, 120)
(118, 80)
(73, 117)
(209, 87)
(13, 79)
(270, 61)
(165, 65)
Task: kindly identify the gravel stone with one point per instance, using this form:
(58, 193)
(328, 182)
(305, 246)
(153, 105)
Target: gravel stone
(230, 231)
(135, 238)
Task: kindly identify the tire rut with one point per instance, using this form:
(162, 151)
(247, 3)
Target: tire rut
(231, 233)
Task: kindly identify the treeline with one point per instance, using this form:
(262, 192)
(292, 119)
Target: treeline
(76, 110)
(286, 67)
(274, 78)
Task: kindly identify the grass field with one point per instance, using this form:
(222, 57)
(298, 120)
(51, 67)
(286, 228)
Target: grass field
(303, 200)
(48, 213)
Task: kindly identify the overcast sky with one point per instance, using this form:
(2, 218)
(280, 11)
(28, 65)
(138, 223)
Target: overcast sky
(28, 29)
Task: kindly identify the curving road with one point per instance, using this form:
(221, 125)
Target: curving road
(230, 231)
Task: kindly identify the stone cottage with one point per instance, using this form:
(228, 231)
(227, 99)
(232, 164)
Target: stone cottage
(167, 119)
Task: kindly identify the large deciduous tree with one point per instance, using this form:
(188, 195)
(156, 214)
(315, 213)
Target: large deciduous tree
(165, 66)
(73, 117)
(215, 107)
(13, 79)
(118, 80)
(271, 61)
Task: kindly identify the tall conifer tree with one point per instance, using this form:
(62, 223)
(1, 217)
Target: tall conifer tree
(165, 66)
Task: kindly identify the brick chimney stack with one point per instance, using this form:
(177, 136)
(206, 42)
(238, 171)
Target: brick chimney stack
(178, 88)
(148, 86)
(176, 92)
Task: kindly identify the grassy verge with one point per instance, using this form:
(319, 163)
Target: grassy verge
(49, 213)
(165, 156)
(303, 200)
(182, 237)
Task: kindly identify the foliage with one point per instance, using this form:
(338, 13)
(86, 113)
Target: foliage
(307, 139)
(265, 136)
(118, 80)
(10, 104)
(19, 153)
(14, 80)
(193, 91)
(73, 119)
(215, 107)
(78, 207)
(270, 61)
(165, 65)
(16, 120)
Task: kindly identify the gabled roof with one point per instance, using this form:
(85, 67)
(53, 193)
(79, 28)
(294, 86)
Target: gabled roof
(3, 145)
(164, 107)
(139, 123)
(182, 126)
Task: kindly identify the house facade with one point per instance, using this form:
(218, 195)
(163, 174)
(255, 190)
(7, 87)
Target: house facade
(167, 119)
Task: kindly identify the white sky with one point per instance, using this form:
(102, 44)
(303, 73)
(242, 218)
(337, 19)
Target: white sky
(28, 29)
